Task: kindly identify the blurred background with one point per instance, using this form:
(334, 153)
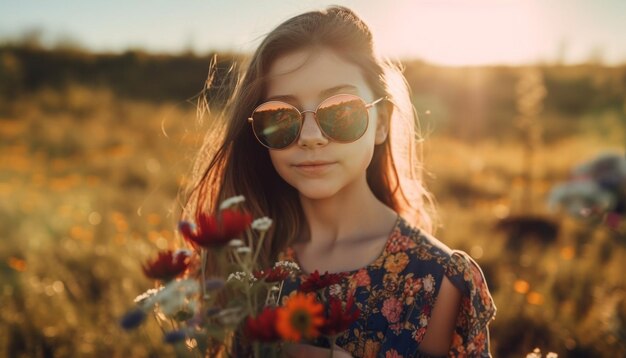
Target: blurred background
(523, 111)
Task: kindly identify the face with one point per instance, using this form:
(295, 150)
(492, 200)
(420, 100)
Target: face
(304, 79)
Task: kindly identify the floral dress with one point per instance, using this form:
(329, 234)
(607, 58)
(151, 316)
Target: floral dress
(396, 294)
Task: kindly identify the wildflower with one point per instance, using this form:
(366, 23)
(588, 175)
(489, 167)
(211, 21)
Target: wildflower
(133, 319)
(315, 281)
(241, 276)
(173, 337)
(174, 296)
(339, 317)
(216, 232)
(166, 266)
(290, 266)
(274, 274)
(300, 317)
(149, 293)
(262, 224)
(263, 327)
(235, 243)
(243, 250)
(232, 201)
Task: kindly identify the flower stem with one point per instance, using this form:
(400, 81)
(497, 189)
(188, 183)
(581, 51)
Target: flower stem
(280, 292)
(203, 256)
(257, 349)
(332, 345)
(258, 248)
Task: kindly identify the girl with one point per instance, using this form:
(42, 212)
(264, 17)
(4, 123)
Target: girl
(319, 136)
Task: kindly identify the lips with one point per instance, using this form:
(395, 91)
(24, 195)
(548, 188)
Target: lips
(315, 167)
(313, 163)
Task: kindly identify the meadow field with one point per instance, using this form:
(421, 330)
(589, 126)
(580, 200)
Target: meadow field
(94, 151)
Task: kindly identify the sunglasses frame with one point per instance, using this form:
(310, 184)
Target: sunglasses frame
(367, 107)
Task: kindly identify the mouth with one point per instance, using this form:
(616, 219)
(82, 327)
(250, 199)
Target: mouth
(314, 167)
(312, 164)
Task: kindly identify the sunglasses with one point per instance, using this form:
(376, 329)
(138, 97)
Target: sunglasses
(342, 118)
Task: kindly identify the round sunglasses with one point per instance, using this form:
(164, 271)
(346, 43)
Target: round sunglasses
(343, 118)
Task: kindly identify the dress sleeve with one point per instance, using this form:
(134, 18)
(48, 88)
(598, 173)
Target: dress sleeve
(471, 336)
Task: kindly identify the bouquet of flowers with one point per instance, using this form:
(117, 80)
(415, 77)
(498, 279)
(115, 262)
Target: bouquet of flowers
(237, 307)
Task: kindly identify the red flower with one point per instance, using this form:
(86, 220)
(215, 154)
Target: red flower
(216, 231)
(274, 274)
(263, 327)
(166, 266)
(339, 317)
(315, 281)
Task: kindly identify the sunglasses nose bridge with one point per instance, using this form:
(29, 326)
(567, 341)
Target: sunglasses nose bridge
(303, 115)
(310, 129)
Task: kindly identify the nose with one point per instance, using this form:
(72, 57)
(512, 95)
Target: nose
(311, 135)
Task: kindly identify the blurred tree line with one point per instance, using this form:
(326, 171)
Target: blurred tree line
(465, 102)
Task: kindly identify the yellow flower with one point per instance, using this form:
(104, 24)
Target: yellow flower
(300, 317)
(396, 263)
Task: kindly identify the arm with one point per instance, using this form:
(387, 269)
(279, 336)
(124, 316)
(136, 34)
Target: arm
(441, 326)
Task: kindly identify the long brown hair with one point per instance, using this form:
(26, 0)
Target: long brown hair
(232, 162)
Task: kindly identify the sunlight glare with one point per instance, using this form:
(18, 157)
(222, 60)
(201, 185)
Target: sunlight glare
(460, 33)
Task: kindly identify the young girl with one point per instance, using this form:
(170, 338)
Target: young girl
(320, 135)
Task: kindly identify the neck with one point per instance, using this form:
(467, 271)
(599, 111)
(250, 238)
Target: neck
(351, 214)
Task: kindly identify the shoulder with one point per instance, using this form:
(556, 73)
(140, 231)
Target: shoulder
(427, 254)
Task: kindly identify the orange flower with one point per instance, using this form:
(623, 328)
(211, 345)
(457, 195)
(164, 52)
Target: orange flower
(300, 317)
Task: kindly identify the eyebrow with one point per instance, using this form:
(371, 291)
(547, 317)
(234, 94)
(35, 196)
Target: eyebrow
(323, 95)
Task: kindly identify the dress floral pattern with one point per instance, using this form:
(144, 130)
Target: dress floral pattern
(397, 292)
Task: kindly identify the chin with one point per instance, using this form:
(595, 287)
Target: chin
(316, 192)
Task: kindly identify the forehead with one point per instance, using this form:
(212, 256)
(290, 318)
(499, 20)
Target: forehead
(305, 74)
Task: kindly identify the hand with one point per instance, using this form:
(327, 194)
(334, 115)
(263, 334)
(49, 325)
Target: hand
(293, 350)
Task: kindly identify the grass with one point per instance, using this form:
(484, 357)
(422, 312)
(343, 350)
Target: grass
(88, 186)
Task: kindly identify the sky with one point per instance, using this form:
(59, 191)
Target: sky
(447, 32)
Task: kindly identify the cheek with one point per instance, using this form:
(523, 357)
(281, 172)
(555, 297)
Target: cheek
(279, 162)
(367, 154)
(363, 152)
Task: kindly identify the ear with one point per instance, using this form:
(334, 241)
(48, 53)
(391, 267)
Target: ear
(382, 124)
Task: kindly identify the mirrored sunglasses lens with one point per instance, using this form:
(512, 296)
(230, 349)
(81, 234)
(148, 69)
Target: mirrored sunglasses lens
(276, 124)
(343, 118)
